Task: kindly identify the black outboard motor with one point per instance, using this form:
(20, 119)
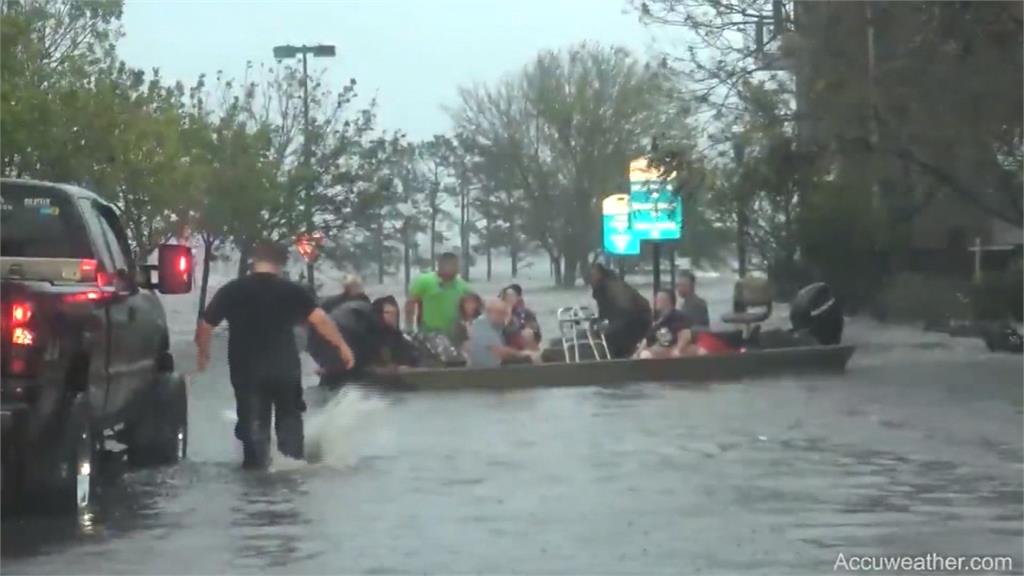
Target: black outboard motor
(815, 311)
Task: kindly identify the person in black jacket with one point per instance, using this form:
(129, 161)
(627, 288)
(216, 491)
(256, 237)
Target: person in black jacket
(373, 334)
(356, 322)
(392, 347)
(627, 312)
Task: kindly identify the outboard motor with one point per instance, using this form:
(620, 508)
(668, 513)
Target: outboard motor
(815, 311)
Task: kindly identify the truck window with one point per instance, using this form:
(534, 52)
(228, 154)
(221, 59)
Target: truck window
(113, 224)
(40, 223)
(95, 224)
(116, 251)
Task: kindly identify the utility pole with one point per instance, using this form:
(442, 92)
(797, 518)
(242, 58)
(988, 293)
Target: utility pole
(318, 51)
(742, 217)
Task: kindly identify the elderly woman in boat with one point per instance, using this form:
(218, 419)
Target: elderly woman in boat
(523, 330)
(627, 312)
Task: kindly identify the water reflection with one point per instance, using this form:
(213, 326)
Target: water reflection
(269, 527)
(123, 504)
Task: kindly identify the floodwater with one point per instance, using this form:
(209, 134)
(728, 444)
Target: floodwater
(917, 449)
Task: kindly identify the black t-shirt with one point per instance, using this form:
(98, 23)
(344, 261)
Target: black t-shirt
(673, 322)
(262, 310)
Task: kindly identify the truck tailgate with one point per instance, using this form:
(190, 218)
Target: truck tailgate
(56, 270)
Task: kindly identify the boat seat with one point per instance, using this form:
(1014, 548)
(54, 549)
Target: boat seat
(750, 293)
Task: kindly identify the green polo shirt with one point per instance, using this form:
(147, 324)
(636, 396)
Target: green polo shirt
(439, 300)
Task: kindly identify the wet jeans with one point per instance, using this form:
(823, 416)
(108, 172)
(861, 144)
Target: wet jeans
(257, 400)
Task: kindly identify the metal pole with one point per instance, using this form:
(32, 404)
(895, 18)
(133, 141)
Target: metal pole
(741, 238)
(307, 153)
(977, 260)
(657, 269)
(672, 266)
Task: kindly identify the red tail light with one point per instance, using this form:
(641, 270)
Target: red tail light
(88, 270)
(21, 313)
(22, 337)
(87, 296)
(183, 264)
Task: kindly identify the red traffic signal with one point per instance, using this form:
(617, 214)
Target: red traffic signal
(308, 245)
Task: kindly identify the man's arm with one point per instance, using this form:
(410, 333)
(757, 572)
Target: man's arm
(507, 353)
(411, 312)
(203, 333)
(214, 313)
(323, 324)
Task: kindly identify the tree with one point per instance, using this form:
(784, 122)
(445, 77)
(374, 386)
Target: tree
(566, 127)
(49, 53)
(325, 190)
(229, 161)
(435, 158)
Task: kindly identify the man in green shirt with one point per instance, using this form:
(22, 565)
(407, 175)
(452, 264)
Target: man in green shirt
(434, 297)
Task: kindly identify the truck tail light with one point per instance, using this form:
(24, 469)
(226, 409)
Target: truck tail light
(93, 295)
(21, 314)
(88, 270)
(22, 337)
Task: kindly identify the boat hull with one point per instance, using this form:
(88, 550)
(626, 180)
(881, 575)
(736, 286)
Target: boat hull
(751, 364)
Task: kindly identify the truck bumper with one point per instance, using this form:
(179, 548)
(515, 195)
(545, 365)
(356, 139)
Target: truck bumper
(12, 417)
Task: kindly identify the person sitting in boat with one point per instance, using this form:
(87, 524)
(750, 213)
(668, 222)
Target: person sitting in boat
(471, 306)
(486, 347)
(392, 348)
(692, 305)
(701, 342)
(663, 339)
(523, 330)
(351, 289)
(627, 312)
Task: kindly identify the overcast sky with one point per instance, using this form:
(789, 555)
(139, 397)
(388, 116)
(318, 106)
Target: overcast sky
(412, 54)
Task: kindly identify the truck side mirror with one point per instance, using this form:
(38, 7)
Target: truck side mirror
(174, 269)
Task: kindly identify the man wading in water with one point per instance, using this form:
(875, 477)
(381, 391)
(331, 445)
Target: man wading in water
(262, 310)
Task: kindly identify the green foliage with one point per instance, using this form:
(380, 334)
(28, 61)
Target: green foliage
(561, 133)
(856, 116)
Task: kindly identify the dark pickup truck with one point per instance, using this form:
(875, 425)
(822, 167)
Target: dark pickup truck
(85, 349)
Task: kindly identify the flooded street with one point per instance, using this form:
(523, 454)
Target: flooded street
(917, 449)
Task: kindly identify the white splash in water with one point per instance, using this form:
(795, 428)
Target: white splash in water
(333, 432)
(336, 432)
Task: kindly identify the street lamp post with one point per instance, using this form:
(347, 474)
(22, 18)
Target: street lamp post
(318, 51)
(739, 150)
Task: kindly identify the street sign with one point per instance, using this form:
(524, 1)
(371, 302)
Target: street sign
(618, 237)
(651, 211)
(656, 213)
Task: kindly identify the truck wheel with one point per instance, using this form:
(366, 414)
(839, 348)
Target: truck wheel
(159, 433)
(67, 488)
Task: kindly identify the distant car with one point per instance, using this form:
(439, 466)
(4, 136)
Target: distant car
(85, 348)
